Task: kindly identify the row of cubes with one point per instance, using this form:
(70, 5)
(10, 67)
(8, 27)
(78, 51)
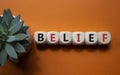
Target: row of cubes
(75, 38)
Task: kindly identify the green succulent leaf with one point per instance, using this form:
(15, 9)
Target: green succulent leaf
(15, 21)
(10, 51)
(20, 36)
(19, 48)
(1, 28)
(15, 28)
(14, 60)
(3, 57)
(7, 16)
(24, 29)
(11, 38)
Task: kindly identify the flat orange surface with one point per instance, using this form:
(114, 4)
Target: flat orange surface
(67, 15)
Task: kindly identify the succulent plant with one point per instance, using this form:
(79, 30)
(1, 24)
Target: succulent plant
(13, 37)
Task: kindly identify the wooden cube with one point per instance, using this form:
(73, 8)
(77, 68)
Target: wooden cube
(52, 37)
(104, 38)
(65, 37)
(77, 38)
(90, 38)
(40, 37)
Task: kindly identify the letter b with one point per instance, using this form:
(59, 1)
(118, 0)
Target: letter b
(40, 37)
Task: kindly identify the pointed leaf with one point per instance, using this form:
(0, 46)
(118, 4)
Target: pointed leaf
(19, 48)
(7, 16)
(9, 13)
(11, 38)
(3, 57)
(20, 36)
(10, 51)
(15, 21)
(15, 28)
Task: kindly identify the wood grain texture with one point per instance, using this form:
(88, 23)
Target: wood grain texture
(67, 15)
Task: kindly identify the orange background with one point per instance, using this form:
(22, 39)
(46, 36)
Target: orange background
(67, 15)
